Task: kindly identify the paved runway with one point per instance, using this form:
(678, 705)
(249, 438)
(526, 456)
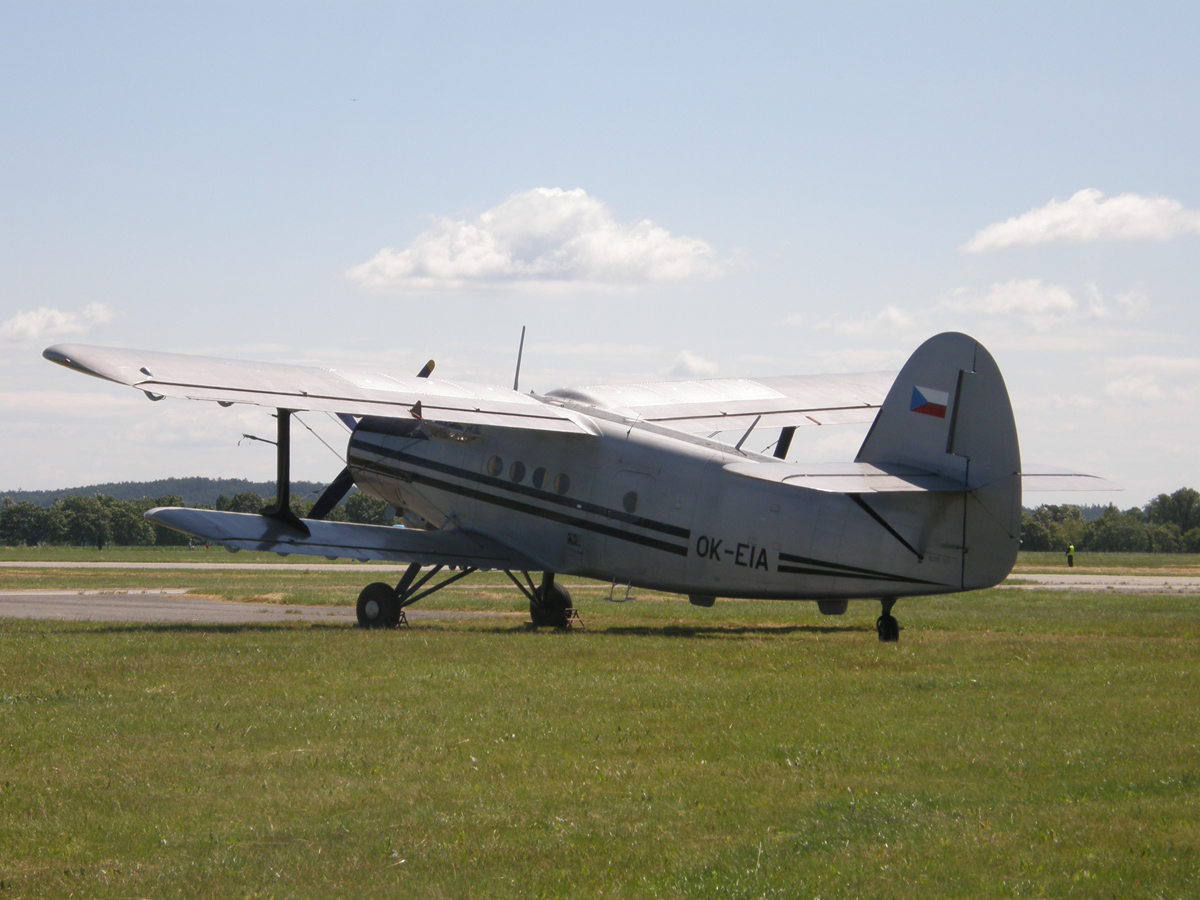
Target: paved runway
(176, 606)
(1118, 584)
(159, 605)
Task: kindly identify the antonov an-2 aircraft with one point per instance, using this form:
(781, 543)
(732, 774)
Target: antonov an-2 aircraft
(619, 482)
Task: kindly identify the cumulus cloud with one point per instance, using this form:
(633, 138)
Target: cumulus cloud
(1134, 387)
(689, 365)
(1086, 218)
(1042, 306)
(545, 236)
(44, 322)
(1186, 365)
(890, 318)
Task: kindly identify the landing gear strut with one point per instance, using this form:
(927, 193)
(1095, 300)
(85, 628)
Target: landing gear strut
(886, 625)
(382, 606)
(549, 602)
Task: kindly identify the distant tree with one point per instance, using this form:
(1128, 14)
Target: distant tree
(1191, 541)
(245, 502)
(1051, 528)
(30, 525)
(300, 507)
(366, 509)
(1163, 538)
(1034, 533)
(1116, 532)
(1181, 509)
(126, 525)
(87, 521)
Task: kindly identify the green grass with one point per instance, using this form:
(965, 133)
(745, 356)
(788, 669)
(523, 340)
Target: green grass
(1014, 744)
(1084, 562)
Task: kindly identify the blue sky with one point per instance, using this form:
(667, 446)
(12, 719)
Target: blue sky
(203, 177)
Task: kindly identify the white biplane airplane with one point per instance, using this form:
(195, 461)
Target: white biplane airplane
(618, 482)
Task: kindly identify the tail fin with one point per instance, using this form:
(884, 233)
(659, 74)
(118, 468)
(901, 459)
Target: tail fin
(948, 412)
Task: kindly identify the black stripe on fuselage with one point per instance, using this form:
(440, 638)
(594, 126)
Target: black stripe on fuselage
(838, 570)
(526, 490)
(478, 493)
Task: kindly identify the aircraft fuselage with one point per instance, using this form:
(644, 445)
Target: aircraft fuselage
(634, 505)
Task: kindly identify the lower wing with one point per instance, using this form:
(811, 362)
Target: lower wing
(248, 531)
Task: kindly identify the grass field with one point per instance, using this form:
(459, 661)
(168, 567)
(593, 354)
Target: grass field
(1014, 744)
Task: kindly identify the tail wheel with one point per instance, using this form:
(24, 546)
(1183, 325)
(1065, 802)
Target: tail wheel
(887, 628)
(549, 608)
(378, 606)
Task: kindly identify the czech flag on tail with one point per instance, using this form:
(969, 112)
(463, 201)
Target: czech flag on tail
(929, 402)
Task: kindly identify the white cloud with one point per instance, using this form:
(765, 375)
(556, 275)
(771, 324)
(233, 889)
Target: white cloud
(44, 322)
(1170, 364)
(545, 236)
(1087, 217)
(1134, 387)
(1039, 305)
(889, 319)
(1043, 306)
(689, 365)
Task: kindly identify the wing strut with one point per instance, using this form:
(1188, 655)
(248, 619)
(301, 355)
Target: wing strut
(281, 509)
(784, 444)
(332, 495)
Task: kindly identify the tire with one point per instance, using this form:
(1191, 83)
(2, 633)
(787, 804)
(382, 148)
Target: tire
(888, 629)
(378, 606)
(551, 611)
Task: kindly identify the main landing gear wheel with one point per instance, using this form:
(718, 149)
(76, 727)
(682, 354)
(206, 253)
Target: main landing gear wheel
(886, 625)
(550, 606)
(378, 606)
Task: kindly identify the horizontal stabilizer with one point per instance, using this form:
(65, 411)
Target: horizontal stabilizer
(1055, 478)
(847, 478)
(302, 388)
(248, 531)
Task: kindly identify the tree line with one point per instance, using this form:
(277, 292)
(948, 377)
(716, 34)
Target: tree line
(100, 520)
(1170, 523)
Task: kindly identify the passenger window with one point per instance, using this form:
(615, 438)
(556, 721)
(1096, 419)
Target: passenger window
(630, 502)
(517, 472)
(539, 477)
(495, 466)
(562, 483)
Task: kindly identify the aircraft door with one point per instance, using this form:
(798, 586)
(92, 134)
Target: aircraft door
(629, 494)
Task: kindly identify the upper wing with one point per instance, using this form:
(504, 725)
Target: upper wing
(718, 404)
(248, 531)
(311, 388)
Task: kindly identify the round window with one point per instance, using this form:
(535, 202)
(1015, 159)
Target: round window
(539, 477)
(495, 465)
(562, 483)
(517, 471)
(630, 502)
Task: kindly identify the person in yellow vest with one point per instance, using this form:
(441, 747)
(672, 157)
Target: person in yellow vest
(1070, 556)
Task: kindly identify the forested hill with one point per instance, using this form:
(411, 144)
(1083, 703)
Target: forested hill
(194, 491)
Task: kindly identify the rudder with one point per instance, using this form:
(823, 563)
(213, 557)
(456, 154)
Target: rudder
(948, 412)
